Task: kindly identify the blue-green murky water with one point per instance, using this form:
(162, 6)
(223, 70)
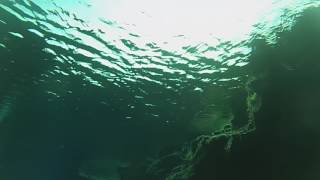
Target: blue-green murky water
(90, 86)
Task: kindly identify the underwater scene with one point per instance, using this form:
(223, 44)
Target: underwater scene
(159, 90)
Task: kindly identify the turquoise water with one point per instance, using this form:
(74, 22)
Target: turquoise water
(91, 86)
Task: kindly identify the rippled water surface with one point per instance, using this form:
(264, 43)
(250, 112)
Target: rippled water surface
(100, 84)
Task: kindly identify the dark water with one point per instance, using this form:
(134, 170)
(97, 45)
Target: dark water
(84, 96)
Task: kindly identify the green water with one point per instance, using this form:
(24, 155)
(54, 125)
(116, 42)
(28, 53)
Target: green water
(100, 89)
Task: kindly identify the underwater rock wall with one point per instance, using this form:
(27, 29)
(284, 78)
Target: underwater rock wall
(283, 110)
